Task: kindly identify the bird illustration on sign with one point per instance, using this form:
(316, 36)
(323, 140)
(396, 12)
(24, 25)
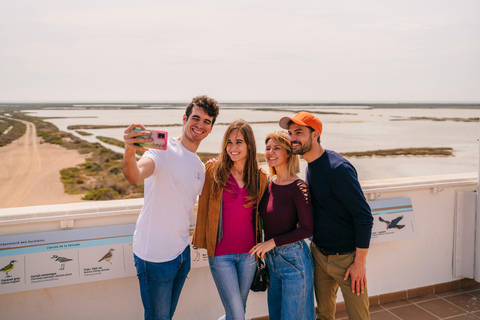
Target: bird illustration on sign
(394, 223)
(9, 267)
(61, 261)
(108, 256)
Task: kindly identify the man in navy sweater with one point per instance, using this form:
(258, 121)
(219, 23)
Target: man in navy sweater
(342, 221)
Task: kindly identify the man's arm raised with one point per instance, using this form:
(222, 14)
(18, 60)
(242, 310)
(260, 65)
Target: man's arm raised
(133, 170)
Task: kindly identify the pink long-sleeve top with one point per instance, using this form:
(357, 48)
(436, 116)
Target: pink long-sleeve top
(238, 233)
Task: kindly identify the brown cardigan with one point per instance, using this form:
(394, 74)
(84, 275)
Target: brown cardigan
(208, 213)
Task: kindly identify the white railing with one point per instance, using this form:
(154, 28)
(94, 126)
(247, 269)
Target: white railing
(422, 260)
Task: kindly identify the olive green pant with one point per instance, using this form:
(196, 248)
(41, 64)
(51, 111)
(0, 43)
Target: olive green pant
(329, 275)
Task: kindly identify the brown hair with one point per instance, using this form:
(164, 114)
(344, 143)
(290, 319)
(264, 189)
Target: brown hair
(293, 162)
(251, 172)
(209, 105)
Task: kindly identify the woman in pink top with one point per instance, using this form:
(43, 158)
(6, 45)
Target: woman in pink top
(227, 214)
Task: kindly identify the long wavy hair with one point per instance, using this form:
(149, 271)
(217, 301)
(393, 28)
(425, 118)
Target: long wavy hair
(251, 172)
(293, 162)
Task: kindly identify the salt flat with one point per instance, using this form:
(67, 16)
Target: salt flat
(349, 130)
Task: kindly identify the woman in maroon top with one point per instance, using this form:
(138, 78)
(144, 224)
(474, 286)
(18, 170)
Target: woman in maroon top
(286, 211)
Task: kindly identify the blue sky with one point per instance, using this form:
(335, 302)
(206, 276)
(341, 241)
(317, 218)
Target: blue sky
(265, 51)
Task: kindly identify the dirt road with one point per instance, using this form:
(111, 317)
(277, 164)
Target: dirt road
(30, 172)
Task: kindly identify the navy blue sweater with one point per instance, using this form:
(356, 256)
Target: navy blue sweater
(342, 220)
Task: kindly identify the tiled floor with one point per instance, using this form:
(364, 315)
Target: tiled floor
(461, 304)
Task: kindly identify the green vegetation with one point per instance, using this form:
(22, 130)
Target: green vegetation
(444, 152)
(101, 194)
(100, 177)
(4, 125)
(17, 129)
(115, 142)
(83, 133)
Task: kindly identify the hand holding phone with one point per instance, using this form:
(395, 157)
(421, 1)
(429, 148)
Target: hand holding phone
(160, 139)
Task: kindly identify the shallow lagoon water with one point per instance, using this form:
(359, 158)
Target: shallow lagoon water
(357, 129)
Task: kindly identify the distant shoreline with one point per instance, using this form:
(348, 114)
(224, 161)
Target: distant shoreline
(326, 105)
(363, 131)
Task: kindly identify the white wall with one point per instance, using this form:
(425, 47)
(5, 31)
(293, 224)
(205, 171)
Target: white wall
(391, 266)
(428, 258)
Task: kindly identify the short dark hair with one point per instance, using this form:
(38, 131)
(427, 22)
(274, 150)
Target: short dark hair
(310, 128)
(209, 105)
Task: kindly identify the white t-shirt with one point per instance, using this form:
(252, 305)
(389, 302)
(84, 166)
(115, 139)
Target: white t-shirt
(162, 230)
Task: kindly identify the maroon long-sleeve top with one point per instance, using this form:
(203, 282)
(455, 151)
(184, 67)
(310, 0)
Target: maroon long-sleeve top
(286, 211)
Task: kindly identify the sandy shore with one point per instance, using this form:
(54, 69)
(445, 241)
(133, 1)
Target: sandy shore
(30, 172)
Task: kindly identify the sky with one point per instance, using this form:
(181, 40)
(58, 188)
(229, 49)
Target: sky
(240, 51)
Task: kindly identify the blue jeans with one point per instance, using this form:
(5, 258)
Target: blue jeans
(290, 291)
(161, 284)
(233, 275)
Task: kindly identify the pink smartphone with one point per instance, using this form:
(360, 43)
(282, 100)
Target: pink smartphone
(160, 139)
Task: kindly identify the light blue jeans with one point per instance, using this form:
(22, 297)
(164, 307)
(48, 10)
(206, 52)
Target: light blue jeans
(290, 291)
(233, 275)
(161, 284)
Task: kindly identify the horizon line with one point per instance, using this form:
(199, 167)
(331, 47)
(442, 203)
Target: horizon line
(248, 102)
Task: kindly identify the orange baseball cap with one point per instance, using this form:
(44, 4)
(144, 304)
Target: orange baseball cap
(304, 119)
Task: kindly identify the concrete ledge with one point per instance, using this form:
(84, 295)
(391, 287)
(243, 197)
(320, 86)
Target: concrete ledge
(71, 210)
(419, 182)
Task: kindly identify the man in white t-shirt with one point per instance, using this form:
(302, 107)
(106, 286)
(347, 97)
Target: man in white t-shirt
(173, 179)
